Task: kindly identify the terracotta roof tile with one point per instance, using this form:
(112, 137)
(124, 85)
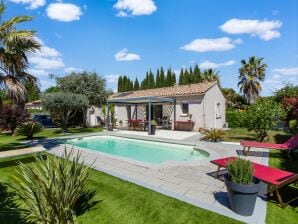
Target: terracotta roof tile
(183, 90)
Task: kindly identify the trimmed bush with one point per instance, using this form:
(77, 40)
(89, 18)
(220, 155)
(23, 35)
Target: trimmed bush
(293, 125)
(29, 129)
(235, 118)
(240, 171)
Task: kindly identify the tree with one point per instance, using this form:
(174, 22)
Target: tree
(262, 116)
(181, 77)
(33, 92)
(173, 79)
(286, 92)
(162, 77)
(251, 74)
(157, 79)
(210, 75)
(64, 106)
(52, 89)
(11, 116)
(151, 81)
(197, 74)
(15, 46)
(136, 85)
(120, 88)
(169, 78)
(233, 99)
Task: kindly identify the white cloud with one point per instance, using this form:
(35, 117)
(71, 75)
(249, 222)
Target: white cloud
(286, 71)
(64, 12)
(111, 79)
(32, 4)
(72, 69)
(37, 72)
(213, 65)
(134, 7)
(218, 44)
(47, 52)
(266, 29)
(46, 63)
(277, 81)
(123, 55)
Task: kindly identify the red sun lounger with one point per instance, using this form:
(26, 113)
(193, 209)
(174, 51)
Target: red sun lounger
(289, 145)
(275, 178)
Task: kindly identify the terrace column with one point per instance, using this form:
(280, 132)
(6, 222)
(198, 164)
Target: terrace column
(174, 126)
(108, 117)
(149, 115)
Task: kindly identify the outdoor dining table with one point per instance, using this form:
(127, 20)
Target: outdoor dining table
(135, 124)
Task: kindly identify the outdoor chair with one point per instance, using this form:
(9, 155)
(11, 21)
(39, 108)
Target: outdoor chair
(275, 178)
(288, 146)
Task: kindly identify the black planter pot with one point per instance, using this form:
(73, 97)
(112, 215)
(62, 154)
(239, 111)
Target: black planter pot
(242, 197)
(152, 130)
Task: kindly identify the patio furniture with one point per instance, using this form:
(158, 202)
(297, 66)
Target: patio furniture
(289, 145)
(275, 178)
(184, 125)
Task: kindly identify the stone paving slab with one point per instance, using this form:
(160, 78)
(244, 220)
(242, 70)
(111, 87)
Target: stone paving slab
(193, 184)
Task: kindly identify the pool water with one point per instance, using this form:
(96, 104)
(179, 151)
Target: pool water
(141, 150)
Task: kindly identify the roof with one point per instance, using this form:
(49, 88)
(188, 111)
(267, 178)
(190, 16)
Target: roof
(33, 102)
(183, 90)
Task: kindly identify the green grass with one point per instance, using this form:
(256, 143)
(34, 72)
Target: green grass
(237, 134)
(118, 201)
(288, 215)
(8, 142)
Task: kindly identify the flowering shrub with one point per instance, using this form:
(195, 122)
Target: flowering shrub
(11, 116)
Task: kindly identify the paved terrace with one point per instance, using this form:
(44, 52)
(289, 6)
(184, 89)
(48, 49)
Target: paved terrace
(194, 184)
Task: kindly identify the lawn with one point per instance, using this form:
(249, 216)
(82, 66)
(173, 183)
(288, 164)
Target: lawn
(8, 142)
(117, 201)
(237, 134)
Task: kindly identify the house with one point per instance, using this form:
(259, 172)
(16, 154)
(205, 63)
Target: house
(184, 107)
(34, 105)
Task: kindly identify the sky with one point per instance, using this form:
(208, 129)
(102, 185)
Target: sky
(129, 37)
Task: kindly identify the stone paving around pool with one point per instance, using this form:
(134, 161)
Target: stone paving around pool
(194, 184)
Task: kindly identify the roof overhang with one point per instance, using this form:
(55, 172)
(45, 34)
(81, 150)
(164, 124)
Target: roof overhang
(142, 100)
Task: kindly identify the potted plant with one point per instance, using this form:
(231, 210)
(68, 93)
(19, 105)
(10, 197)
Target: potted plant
(153, 126)
(120, 123)
(242, 186)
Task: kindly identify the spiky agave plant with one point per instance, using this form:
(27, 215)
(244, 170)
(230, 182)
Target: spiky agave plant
(213, 135)
(50, 189)
(29, 129)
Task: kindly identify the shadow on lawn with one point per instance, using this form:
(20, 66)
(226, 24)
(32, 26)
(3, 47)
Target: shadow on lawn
(86, 202)
(9, 210)
(16, 162)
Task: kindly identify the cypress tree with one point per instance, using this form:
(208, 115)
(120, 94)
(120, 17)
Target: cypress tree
(191, 78)
(185, 79)
(173, 79)
(197, 74)
(151, 80)
(168, 81)
(120, 84)
(162, 77)
(181, 77)
(157, 79)
(136, 85)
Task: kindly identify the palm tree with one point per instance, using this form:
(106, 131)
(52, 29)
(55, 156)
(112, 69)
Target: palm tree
(250, 75)
(210, 75)
(15, 45)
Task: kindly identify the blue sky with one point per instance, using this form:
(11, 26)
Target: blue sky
(128, 37)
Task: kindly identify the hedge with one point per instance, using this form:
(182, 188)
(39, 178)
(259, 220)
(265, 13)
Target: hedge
(235, 118)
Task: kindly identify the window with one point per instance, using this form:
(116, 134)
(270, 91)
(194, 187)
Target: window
(185, 108)
(218, 111)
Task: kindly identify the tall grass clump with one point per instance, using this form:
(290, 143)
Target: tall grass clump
(49, 189)
(240, 171)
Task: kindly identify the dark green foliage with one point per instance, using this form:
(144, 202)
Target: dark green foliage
(240, 171)
(235, 118)
(162, 77)
(286, 92)
(89, 84)
(233, 99)
(51, 189)
(136, 85)
(125, 84)
(263, 116)
(293, 125)
(29, 129)
(32, 92)
(64, 106)
(52, 89)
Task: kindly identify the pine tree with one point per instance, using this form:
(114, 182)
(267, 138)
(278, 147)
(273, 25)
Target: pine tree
(181, 77)
(162, 77)
(136, 85)
(120, 84)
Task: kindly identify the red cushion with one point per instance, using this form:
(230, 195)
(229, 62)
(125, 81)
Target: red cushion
(264, 173)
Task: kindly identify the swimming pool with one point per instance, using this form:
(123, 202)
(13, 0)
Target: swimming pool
(140, 150)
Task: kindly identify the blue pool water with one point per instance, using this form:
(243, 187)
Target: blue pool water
(144, 151)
